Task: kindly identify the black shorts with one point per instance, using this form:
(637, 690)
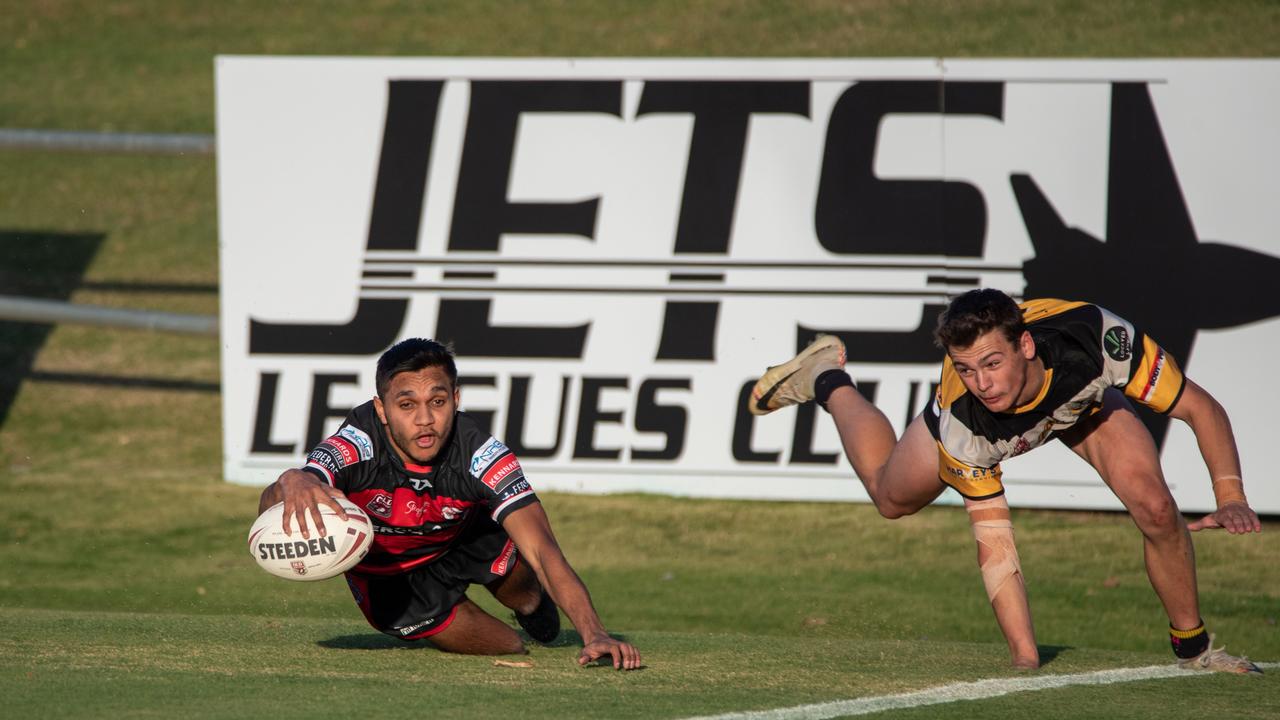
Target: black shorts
(423, 601)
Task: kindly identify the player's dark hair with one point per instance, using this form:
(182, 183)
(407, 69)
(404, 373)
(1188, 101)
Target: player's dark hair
(976, 312)
(413, 355)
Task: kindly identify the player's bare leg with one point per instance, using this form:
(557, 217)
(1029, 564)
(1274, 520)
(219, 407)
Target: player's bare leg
(1116, 443)
(535, 610)
(901, 476)
(476, 632)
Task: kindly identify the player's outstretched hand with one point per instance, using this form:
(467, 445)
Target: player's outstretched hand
(302, 494)
(1237, 518)
(623, 654)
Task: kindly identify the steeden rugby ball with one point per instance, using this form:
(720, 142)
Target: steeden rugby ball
(294, 557)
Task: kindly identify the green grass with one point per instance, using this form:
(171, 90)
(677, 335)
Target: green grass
(147, 65)
(236, 666)
(126, 590)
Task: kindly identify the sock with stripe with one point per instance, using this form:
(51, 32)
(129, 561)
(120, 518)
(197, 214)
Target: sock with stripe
(1189, 643)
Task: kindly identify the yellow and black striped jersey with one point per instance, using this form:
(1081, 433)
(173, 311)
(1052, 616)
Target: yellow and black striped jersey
(1085, 350)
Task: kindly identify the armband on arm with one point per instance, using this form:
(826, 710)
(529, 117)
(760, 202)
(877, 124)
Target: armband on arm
(1229, 489)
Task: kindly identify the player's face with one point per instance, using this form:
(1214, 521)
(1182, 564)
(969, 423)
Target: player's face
(418, 413)
(999, 373)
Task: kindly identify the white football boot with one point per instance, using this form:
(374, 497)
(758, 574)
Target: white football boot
(791, 383)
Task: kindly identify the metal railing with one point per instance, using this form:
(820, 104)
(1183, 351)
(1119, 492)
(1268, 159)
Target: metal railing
(163, 143)
(22, 309)
(36, 310)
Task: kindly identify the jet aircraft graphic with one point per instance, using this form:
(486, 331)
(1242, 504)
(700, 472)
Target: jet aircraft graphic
(1152, 269)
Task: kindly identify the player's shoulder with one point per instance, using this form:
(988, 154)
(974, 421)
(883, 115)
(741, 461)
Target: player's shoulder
(364, 416)
(468, 432)
(1049, 310)
(950, 386)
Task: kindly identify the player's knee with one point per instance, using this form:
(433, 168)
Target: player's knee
(1156, 516)
(513, 646)
(526, 602)
(891, 510)
(520, 591)
(893, 505)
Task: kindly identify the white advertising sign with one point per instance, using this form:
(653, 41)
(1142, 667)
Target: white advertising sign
(616, 249)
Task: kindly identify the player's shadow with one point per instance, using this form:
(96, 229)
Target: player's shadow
(378, 641)
(369, 641)
(1049, 653)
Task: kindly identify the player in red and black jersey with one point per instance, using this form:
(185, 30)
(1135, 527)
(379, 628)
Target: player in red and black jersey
(451, 508)
(1015, 378)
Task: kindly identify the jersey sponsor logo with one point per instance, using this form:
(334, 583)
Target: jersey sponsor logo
(1154, 378)
(483, 457)
(1020, 445)
(380, 505)
(508, 470)
(1116, 342)
(419, 484)
(323, 457)
(503, 562)
(359, 438)
(410, 629)
(517, 487)
(343, 452)
(450, 512)
(416, 509)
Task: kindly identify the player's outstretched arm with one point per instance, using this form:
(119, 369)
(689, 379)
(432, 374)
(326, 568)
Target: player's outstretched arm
(1208, 420)
(531, 531)
(302, 493)
(1002, 576)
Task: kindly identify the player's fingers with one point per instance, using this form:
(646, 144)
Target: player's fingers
(316, 521)
(631, 657)
(1204, 523)
(284, 520)
(616, 653)
(1238, 522)
(587, 655)
(331, 497)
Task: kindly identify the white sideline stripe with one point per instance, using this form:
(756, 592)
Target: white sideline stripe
(979, 690)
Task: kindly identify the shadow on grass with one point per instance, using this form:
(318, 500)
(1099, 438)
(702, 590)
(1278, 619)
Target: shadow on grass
(378, 641)
(123, 382)
(50, 266)
(43, 265)
(1049, 653)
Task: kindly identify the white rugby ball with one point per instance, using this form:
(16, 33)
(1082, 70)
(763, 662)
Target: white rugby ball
(294, 557)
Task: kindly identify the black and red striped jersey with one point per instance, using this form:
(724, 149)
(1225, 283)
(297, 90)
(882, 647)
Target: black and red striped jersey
(417, 511)
(1085, 349)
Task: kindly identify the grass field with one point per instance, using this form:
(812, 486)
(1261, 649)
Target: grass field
(126, 591)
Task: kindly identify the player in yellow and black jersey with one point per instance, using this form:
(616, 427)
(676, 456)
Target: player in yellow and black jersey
(1014, 378)
(1084, 350)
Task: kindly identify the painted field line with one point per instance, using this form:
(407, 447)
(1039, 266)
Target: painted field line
(979, 690)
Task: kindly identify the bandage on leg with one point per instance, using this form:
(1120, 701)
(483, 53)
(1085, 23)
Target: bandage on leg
(993, 529)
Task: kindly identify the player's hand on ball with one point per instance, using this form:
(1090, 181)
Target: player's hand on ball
(1237, 518)
(303, 495)
(623, 654)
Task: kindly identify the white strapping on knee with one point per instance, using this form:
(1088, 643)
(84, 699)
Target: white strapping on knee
(992, 528)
